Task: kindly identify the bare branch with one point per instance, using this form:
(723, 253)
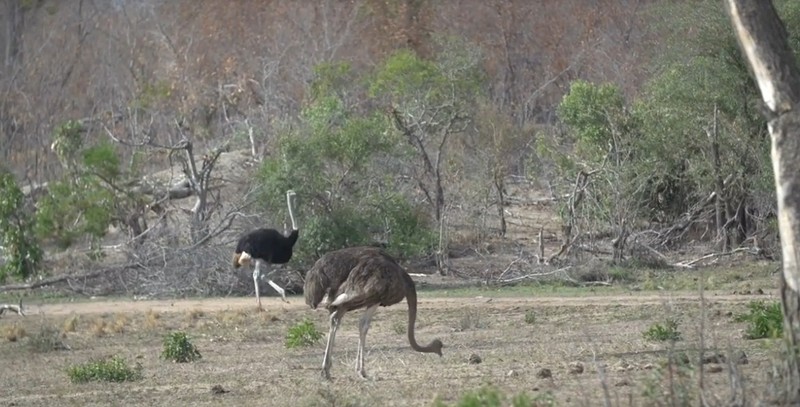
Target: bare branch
(11, 307)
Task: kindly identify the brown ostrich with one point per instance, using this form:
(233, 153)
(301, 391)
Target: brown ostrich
(361, 277)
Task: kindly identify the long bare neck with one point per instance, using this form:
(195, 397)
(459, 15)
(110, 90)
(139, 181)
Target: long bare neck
(290, 204)
(411, 298)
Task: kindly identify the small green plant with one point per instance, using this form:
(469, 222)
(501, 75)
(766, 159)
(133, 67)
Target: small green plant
(399, 327)
(666, 332)
(177, 348)
(303, 333)
(530, 317)
(114, 369)
(764, 320)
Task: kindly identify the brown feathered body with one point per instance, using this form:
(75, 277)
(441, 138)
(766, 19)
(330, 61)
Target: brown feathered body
(362, 277)
(331, 271)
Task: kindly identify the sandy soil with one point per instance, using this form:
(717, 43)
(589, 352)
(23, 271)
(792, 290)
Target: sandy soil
(296, 303)
(516, 338)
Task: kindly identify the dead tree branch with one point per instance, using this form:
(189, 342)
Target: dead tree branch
(67, 278)
(11, 307)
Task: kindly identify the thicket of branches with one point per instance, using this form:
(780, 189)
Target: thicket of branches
(398, 142)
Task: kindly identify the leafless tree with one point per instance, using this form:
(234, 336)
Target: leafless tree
(764, 42)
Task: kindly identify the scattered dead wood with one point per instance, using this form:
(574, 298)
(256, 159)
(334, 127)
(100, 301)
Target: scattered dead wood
(571, 234)
(540, 257)
(619, 242)
(11, 307)
(531, 276)
(64, 279)
(691, 263)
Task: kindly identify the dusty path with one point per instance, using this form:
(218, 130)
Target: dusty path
(297, 302)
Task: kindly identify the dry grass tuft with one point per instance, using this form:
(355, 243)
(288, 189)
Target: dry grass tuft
(120, 323)
(193, 315)
(13, 333)
(47, 339)
(267, 317)
(70, 324)
(98, 327)
(152, 319)
(232, 318)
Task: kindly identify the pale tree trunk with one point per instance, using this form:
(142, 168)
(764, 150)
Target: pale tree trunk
(763, 39)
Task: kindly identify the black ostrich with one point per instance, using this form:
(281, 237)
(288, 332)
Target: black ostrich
(267, 247)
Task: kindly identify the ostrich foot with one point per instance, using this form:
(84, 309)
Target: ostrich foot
(325, 375)
(362, 374)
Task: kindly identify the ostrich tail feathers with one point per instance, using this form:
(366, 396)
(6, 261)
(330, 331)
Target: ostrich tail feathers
(315, 287)
(236, 260)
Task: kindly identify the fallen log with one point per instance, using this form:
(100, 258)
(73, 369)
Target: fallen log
(11, 307)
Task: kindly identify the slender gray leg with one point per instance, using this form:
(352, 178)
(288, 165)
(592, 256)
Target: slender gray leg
(363, 327)
(256, 273)
(336, 318)
(278, 288)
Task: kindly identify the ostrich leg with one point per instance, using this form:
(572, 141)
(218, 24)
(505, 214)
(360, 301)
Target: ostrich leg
(363, 327)
(336, 318)
(278, 288)
(256, 273)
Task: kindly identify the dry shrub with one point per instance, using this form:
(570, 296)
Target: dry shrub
(13, 333)
(47, 339)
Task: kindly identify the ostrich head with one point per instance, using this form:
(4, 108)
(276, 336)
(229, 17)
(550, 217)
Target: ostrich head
(437, 346)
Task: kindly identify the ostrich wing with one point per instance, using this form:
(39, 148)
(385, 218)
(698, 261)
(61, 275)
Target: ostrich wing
(374, 280)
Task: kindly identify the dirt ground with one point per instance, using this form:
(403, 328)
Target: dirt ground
(592, 344)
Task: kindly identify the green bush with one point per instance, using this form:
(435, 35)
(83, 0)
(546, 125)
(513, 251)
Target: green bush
(666, 332)
(764, 320)
(114, 369)
(21, 251)
(177, 348)
(303, 333)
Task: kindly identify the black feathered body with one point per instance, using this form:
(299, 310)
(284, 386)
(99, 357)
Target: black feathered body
(268, 245)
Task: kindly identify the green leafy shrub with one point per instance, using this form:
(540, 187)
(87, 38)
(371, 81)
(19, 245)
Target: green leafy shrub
(91, 194)
(303, 333)
(20, 250)
(764, 320)
(177, 348)
(663, 332)
(114, 369)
